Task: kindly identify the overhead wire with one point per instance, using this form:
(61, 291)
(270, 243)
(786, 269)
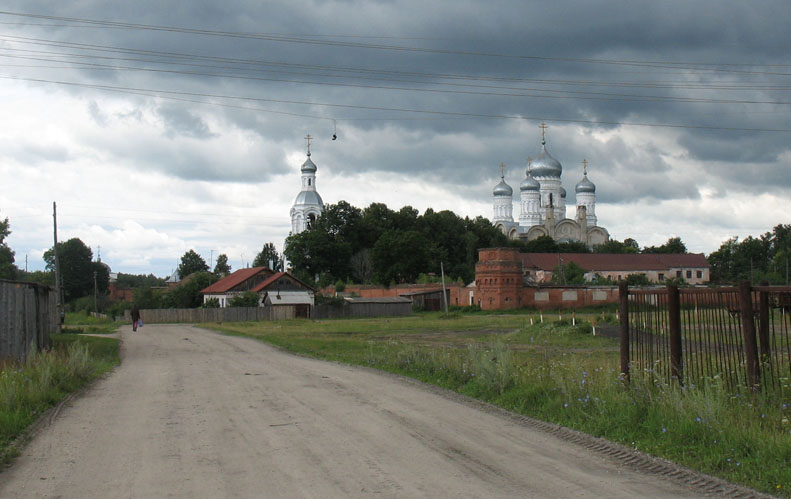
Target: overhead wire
(159, 92)
(703, 66)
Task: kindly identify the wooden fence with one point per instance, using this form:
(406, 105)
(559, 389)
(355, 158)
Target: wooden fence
(28, 315)
(249, 314)
(741, 335)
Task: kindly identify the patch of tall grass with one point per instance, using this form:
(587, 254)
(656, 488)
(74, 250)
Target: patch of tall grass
(29, 389)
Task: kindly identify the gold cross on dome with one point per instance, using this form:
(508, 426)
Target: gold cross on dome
(502, 170)
(585, 166)
(543, 126)
(308, 137)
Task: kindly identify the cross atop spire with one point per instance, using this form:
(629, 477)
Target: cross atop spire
(502, 170)
(584, 166)
(543, 126)
(529, 163)
(308, 137)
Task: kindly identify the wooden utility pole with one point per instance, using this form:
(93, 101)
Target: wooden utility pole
(58, 284)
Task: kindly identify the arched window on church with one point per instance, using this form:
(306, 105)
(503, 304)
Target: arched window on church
(308, 182)
(311, 219)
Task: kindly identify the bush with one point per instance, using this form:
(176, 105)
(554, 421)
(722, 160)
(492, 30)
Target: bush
(246, 299)
(211, 303)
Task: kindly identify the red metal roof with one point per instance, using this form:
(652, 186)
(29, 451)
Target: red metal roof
(611, 261)
(227, 283)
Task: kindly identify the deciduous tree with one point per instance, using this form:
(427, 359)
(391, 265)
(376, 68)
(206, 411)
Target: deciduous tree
(222, 268)
(76, 268)
(269, 257)
(191, 262)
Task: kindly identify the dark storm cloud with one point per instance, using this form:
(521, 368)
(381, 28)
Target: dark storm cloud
(180, 121)
(463, 151)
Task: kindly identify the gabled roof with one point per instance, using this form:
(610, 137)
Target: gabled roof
(615, 262)
(227, 283)
(274, 277)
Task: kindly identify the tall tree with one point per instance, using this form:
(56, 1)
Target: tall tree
(191, 262)
(7, 268)
(222, 268)
(76, 267)
(269, 257)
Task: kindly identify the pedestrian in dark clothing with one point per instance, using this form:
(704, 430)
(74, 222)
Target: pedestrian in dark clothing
(135, 317)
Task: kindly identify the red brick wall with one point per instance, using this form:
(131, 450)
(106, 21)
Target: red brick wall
(499, 283)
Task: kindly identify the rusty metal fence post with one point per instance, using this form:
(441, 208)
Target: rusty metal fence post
(674, 326)
(748, 330)
(763, 323)
(623, 296)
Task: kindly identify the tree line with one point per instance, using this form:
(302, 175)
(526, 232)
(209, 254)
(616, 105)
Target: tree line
(384, 246)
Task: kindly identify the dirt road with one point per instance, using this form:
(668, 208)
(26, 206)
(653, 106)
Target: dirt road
(192, 413)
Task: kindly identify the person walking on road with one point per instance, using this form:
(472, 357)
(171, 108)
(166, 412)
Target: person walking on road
(135, 317)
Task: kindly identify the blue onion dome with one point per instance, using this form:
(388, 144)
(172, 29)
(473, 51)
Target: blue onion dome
(585, 185)
(562, 192)
(308, 166)
(529, 183)
(545, 165)
(503, 189)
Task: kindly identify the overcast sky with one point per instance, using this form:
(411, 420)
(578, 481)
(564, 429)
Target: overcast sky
(160, 127)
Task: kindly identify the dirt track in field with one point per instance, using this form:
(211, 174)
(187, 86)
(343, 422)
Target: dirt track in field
(192, 413)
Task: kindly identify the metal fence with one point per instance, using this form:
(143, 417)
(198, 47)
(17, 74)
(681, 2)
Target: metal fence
(28, 314)
(740, 335)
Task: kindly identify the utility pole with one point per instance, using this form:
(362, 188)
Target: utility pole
(58, 284)
(95, 293)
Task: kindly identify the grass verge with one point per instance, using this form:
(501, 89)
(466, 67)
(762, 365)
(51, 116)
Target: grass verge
(29, 389)
(561, 373)
(82, 323)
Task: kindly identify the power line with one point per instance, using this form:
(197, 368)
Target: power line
(699, 66)
(600, 96)
(167, 93)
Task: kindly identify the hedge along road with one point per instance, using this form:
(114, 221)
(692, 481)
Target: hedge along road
(192, 413)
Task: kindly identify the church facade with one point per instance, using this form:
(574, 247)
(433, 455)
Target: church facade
(542, 204)
(308, 204)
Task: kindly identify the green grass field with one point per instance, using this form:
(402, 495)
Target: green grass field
(563, 374)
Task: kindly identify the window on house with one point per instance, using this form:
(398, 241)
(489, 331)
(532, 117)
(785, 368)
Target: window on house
(700, 274)
(661, 277)
(689, 274)
(678, 273)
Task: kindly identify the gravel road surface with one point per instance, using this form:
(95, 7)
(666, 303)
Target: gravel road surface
(192, 413)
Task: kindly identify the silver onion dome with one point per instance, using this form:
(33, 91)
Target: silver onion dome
(545, 165)
(309, 198)
(529, 183)
(585, 185)
(308, 166)
(503, 189)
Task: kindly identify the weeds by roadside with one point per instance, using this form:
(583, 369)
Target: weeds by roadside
(29, 389)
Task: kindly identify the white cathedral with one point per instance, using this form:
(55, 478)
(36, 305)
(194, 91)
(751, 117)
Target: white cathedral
(308, 204)
(542, 201)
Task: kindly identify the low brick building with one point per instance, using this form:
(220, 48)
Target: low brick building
(507, 279)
